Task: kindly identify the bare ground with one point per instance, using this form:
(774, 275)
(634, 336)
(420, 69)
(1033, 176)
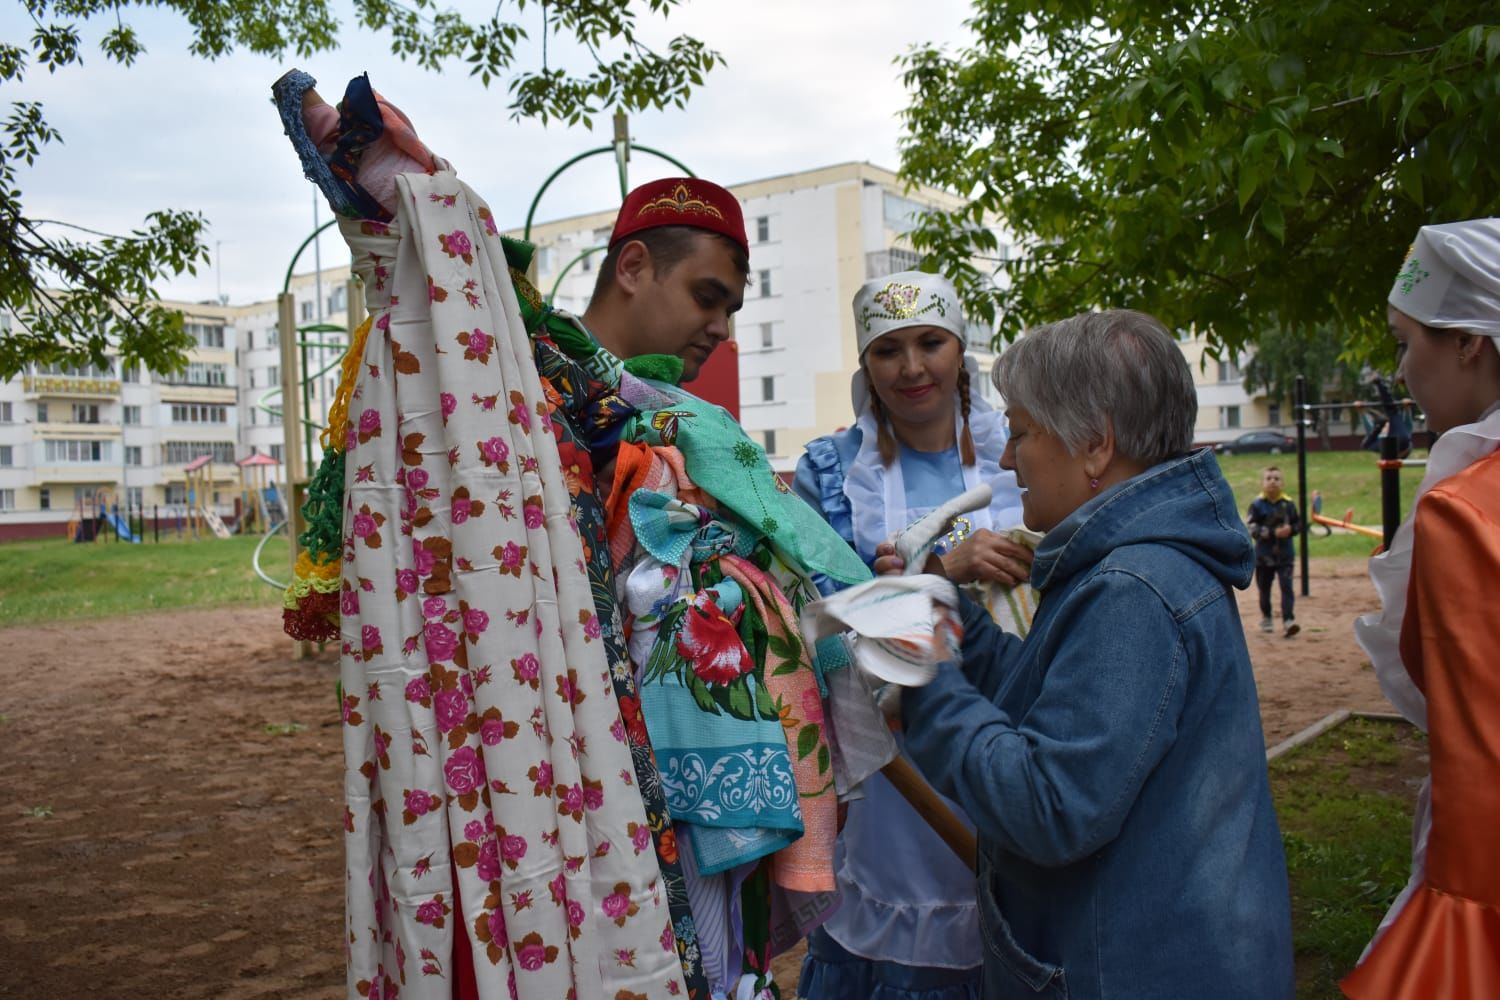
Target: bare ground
(169, 794)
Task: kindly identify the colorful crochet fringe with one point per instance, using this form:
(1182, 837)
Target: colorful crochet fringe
(310, 607)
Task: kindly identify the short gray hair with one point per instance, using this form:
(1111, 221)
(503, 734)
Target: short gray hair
(1119, 368)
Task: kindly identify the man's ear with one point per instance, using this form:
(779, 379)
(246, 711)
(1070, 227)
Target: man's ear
(633, 267)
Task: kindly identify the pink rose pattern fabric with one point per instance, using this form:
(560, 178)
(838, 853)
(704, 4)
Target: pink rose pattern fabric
(484, 747)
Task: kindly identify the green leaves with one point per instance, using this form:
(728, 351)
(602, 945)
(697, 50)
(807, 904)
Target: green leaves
(1227, 168)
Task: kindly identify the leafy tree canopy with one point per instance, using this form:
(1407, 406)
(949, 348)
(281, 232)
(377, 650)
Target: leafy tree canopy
(83, 295)
(1238, 167)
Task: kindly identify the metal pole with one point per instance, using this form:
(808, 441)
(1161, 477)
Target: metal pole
(1390, 485)
(1300, 406)
(156, 524)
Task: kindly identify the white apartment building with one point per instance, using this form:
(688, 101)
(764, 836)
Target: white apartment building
(121, 435)
(815, 237)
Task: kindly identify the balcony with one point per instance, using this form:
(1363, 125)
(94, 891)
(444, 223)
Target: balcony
(73, 386)
(71, 429)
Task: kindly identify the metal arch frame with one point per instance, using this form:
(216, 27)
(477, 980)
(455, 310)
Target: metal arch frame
(618, 147)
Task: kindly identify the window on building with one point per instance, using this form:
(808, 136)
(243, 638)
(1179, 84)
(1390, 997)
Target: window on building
(135, 496)
(5, 455)
(1229, 416)
(199, 413)
(768, 388)
(1273, 414)
(54, 450)
(767, 335)
(85, 413)
(183, 452)
(7, 413)
(44, 498)
(273, 417)
(276, 451)
(900, 213)
(763, 229)
(273, 375)
(307, 312)
(41, 413)
(206, 334)
(249, 340)
(199, 373)
(87, 371)
(337, 300)
(176, 493)
(763, 280)
(130, 373)
(586, 263)
(7, 499)
(770, 442)
(131, 414)
(253, 410)
(132, 454)
(1229, 371)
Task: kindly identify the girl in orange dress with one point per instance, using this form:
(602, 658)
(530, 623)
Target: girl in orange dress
(1436, 643)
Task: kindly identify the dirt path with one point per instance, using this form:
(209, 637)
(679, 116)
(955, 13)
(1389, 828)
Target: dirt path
(169, 795)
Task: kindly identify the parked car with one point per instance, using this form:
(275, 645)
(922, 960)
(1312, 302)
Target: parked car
(1274, 442)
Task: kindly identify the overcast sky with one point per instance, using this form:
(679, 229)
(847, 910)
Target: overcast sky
(806, 84)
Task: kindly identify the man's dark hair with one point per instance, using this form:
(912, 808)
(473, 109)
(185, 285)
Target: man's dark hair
(668, 247)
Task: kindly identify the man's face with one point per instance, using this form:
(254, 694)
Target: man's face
(686, 310)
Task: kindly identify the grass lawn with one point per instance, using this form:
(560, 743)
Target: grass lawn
(58, 579)
(1347, 479)
(1345, 804)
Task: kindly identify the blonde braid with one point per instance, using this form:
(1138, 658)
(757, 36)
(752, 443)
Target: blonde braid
(965, 440)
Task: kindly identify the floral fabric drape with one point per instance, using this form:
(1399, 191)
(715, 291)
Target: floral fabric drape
(489, 784)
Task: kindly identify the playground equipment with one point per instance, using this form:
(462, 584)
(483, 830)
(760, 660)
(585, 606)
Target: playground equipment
(200, 492)
(93, 514)
(258, 495)
(1393, 438)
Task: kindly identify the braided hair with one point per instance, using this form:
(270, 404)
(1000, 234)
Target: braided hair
(965, 439)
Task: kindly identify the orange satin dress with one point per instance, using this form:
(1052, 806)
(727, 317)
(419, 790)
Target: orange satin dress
(1445, 943)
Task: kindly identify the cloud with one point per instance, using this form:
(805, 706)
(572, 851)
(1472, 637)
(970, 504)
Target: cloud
(805, 85)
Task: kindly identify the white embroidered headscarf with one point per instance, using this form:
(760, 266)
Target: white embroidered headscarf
(876, 492)
(1451, 278)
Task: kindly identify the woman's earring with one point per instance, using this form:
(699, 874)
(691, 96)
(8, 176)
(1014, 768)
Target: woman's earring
(1093, 484)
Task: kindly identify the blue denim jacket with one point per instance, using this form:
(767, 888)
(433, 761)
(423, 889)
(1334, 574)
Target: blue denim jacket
(1113, 762)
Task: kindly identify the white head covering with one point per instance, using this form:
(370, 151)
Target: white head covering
(910, 298)
(895, 302)
(1451, 278)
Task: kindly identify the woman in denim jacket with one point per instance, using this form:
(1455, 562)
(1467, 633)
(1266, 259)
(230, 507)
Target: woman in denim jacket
(1113, 762)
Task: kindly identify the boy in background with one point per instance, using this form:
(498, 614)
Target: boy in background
(1273, 521)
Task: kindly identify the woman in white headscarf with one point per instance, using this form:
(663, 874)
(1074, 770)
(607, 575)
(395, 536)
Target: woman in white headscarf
(1434, 642)
(908, 926)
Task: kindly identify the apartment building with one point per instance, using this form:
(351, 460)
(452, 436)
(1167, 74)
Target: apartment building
(68, 437)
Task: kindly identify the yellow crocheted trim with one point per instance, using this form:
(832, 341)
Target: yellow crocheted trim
(338, 411)
(311, 577)
(328, 569)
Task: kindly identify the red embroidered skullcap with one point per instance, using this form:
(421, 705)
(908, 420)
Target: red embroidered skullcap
(681, 201)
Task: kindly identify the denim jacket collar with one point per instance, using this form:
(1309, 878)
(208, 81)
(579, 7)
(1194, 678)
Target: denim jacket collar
(1184, 502)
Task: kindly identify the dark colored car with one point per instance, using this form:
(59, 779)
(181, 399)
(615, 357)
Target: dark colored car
(1274, 442)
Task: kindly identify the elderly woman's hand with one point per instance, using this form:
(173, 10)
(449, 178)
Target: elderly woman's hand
(986, 557)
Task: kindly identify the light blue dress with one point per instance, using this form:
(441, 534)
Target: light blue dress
(908, 926)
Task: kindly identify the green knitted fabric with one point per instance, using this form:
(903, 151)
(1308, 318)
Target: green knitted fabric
(323, 513)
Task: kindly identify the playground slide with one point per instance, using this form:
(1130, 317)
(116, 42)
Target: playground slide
(122, 527)
(214, 523)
